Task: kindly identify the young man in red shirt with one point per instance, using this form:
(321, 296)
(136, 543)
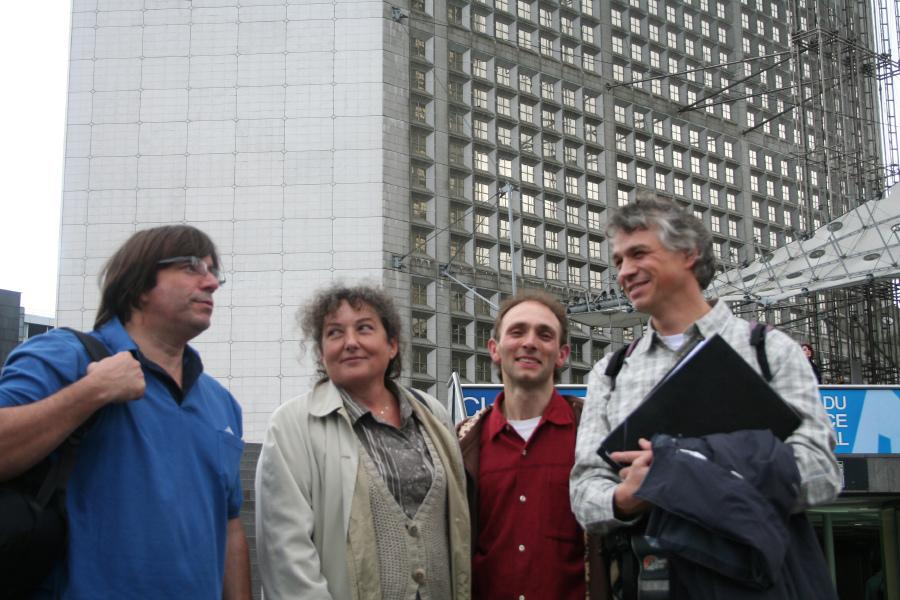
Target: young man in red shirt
(518, 454)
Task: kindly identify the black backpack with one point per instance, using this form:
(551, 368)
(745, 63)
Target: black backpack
(33, 527)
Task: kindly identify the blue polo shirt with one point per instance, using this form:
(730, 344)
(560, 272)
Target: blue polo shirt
(155, 481)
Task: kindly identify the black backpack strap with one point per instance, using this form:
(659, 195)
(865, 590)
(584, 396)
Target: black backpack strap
(59, 472)
(617, 360)
(96, 349)
(758, 340)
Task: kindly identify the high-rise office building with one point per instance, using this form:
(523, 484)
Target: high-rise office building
(324, 141)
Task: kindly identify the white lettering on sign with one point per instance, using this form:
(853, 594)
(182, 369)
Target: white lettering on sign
(834, 402)
(837, 419)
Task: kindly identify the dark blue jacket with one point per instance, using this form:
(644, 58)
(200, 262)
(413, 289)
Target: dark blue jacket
(722, 513)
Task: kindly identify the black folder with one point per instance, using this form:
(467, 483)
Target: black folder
(712, 390)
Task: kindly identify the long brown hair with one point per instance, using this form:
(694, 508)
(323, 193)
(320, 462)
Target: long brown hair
(131, 271)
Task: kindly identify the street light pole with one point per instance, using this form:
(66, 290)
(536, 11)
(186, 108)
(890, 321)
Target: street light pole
(507, 191)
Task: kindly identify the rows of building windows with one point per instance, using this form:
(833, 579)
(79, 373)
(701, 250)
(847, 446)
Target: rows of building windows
(509, 124)
(545, 130)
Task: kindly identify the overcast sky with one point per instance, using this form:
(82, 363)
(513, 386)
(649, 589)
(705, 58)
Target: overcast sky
(34, 54)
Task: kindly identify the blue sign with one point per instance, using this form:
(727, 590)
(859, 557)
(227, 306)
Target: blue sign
(477, 396)
(866, 420)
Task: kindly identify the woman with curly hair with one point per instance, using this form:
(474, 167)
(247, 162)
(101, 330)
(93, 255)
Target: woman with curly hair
(360, 484)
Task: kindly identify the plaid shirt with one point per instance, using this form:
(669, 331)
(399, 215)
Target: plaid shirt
(592, 480)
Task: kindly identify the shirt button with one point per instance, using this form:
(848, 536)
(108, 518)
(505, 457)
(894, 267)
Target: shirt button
(521, 596)
(521, 547)
(522, 498)
(419, 576)
(524, 451)
(413, 530)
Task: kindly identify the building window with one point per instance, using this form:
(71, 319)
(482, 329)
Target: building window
(482, 223)
(732, 228)
(587, 34)
(528, 234)
(660, 181)
(483, 369)
(418, 293)
(529, 266)
(527, 173)
(527, 201)
(479, 23)
(505, 261)
(420, 80)
(480, 160)
(573, 244)
(551, 239)
(481, 191)
(574, 275)
(483, 256)
(552, 270)
(504, 167)
(419, 328)
(548, 119)
(550, 179)
(458, 332)
(420, 361)
(640, 175)
(479, 68)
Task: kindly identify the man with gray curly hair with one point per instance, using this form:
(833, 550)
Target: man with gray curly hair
(664, 260)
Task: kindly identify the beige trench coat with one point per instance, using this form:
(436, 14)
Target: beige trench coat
(306, 481)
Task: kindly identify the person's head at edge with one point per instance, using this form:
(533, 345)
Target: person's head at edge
(808, 351)
(530, 339)
(174, 294)
(356, 331)
(663, 255)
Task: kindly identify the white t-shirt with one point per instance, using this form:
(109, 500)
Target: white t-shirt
(525, 427)
(675, 342)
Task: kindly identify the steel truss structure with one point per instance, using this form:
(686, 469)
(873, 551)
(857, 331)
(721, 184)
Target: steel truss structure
(854, 330)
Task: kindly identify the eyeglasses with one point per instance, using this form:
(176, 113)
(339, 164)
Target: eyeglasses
(195, 265)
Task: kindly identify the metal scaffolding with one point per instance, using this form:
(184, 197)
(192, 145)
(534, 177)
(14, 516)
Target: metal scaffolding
(853, 330)
(843, 96)
(843, 68)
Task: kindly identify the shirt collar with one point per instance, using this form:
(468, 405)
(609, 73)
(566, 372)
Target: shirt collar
(117, 339)
(356, 411)
(708, 325)
(557, 412)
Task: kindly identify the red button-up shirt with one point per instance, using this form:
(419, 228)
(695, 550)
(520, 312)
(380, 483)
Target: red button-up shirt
(529, 547)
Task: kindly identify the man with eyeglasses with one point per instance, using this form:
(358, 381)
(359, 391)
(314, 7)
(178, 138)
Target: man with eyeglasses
(154, 498)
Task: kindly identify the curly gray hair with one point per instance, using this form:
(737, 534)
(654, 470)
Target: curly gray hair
(677, 229)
